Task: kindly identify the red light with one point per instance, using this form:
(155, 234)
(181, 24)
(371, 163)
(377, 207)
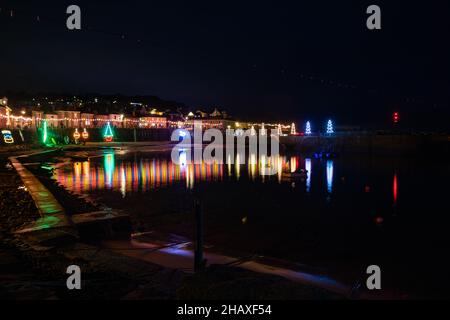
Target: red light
(396, 117)
(395, 189)
(379, 220)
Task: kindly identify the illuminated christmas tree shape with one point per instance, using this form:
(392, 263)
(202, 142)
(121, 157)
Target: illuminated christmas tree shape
(279, 131)
(108, 135)
(330, 129)
(293, 130)
(308, 128)
(263, 130)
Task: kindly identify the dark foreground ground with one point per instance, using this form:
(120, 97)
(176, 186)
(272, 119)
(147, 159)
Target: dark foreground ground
(33, 272)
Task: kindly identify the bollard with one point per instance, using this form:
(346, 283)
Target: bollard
(199, 263)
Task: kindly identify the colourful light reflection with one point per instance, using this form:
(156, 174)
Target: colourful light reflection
(395, 189)
(146, 174)
(330, 167)
(309, 172)
(294, 164)
(238, 166)
(109, 169)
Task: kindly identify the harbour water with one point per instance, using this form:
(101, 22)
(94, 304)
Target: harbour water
(343, 215)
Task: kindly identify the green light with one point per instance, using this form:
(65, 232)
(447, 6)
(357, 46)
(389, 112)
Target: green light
(108, 135)
(44, 129)
(109, 165)
(47, 222)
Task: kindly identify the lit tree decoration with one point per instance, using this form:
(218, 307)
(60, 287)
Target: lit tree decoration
(330, 129)
(293, 130)
(279, 131)
(308, 128)
(253, 131)
(263, 130)
(108, 135)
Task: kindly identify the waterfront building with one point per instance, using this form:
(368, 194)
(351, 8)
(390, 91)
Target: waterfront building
(153, 122)
(100, 120)
(87, 120)
(36, 118)
(69, 119)
(3, 116)
(53, 120)
(116, 120)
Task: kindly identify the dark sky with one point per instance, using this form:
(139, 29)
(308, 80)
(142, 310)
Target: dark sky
(263, 60)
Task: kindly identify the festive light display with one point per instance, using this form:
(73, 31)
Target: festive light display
(396, 117)
(108, 135)
(76, 135)
(308, 128)
(44, 132)
(85, 134)
(330, 167)
(7, 136)
(293, 130)
(395, 189)
(148, 174)
(279, 130)
(330, 129)
(263, 130)
(308, 168)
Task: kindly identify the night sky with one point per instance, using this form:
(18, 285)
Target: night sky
(258, 60)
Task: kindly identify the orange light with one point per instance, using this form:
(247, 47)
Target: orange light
(76, 135)
(85, 134)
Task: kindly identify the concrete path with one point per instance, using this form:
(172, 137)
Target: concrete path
(45, 202)
(181, 256)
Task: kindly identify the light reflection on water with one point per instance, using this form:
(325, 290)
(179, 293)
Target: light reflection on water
(144, 174)
(267, 215)
(147, 173)
(330, 169)
(308, 169)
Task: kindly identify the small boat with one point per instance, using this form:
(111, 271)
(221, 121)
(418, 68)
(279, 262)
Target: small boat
(325, 155)
(80, 157)
(303, 174)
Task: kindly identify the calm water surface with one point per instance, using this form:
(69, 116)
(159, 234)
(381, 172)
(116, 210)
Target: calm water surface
(346, 214)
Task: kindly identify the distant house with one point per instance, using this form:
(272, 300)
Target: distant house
(100, 120)
(3, 117)
(87, 120)
(53, 120)
(156, 112)
(201, 114)
(36, 118)
(216, 114)
(209, 123)
(175, 120)
(116, 120)
(69, 119)
(5, 111)
(153, 122)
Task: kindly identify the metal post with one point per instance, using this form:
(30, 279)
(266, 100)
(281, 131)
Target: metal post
(198, 263)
